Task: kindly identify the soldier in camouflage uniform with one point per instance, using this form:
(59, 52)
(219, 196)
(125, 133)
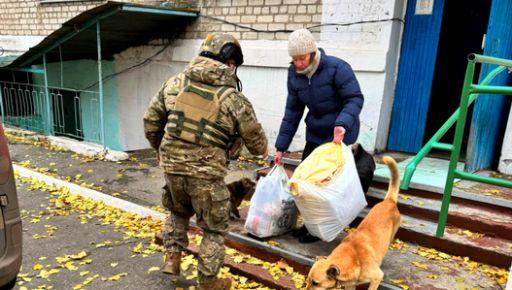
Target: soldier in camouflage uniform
(190, 122)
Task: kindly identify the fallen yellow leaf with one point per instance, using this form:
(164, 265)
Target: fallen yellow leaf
(138, 249)
(153, 269)
(187, 261)
(86, 261)
(238, 259)
(79, 256)
(84, 273)
(117, 277)
(70, 266)
(420, 265)
(273, 243)
(45, 274)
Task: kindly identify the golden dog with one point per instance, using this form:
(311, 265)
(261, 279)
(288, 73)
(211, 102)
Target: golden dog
(358, 258)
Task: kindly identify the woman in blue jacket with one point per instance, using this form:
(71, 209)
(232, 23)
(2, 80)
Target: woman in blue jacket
(328, 87)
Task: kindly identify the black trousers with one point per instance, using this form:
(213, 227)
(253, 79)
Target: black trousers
(310, 146)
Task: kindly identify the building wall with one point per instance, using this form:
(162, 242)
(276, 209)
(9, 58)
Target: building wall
(135, 90)
(24, 23)
(371, 48)
(262, 15)
(40, 17)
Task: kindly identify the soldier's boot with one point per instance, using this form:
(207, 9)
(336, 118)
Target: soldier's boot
(172, 263)
(217, 284)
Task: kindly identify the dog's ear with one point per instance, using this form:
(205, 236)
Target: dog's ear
(333, 271)
(318, 258)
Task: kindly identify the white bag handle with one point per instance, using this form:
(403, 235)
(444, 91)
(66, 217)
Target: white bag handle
(283, 175)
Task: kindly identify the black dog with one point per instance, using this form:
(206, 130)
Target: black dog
(365, 166)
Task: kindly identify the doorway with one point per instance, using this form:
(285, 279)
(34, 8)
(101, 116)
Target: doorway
(462, 32)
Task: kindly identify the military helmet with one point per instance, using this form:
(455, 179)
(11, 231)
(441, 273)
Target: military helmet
(221, 47)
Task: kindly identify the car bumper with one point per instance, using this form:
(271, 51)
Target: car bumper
(10, 262)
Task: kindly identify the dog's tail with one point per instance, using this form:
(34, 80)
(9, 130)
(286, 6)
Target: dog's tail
(394, 183)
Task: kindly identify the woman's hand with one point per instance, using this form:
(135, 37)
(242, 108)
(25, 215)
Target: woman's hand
(278, 158)
(339, 134)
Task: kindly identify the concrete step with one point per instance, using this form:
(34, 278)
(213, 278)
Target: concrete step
(447, 261)
(478, 227)
(488, 219)
(456, 240)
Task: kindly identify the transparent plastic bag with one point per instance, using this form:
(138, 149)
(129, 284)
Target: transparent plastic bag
(327, 190)
(272, 209)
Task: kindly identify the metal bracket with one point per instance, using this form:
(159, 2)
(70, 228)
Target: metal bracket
(4, 201)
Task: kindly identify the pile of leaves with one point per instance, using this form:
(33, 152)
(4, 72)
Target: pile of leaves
(132, 226)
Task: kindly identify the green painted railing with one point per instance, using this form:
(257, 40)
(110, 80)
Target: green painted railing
(470, 93)
(63, 112)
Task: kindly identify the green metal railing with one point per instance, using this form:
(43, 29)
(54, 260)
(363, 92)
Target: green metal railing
(433, 142)
(470, 92)
(34, 105)
(72, 113)
(24, 106)
(42, 108)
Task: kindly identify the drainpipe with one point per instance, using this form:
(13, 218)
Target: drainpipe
(49, 123)
(100, 82)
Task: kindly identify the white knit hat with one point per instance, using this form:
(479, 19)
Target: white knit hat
(301, 42)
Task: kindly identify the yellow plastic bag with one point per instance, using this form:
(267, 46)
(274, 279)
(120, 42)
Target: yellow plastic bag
(327, 190)
(324, 163)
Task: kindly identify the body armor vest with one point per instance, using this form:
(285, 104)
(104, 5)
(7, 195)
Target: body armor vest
(195, 115)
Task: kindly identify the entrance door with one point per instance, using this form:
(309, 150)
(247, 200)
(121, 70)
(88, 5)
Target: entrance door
(491, 111)
(429, 84)
(462, 33)
(415, 74)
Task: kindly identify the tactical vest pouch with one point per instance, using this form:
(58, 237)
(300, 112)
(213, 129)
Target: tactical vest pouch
(194, 117)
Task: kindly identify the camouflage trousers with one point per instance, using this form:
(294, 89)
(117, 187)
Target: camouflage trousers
(209, 201)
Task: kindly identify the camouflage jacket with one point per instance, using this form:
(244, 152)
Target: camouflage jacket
(236, 116)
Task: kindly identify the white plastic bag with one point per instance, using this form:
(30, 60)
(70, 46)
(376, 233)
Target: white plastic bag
(272, 210)
(329, 207)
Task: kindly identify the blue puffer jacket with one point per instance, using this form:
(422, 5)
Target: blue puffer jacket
(333, 98)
